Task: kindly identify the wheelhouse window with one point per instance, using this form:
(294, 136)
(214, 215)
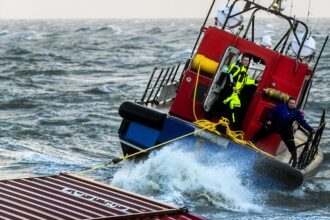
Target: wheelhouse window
(256, 67)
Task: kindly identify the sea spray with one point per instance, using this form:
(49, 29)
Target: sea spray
(176, 175)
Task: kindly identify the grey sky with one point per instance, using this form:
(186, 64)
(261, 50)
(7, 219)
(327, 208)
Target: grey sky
(30, 9)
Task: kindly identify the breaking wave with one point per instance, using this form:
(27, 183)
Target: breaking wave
(178, 176)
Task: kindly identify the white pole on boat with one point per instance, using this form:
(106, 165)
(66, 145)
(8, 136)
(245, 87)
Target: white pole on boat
(309, 11)
(200, 32)
(312, 27)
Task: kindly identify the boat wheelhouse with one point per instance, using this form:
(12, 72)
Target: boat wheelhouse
(179, 100)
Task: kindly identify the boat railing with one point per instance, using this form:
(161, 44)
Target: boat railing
(311, 145)
(250, 6)
(163, 84)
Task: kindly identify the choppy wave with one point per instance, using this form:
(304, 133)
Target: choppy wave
(18, 51)
(29, 35)
(82, 29)
(4, 32)
(116, 30)
(179, 177)
(20, 103)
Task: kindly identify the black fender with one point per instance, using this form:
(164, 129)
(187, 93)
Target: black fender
(142, 115)
(290, 177)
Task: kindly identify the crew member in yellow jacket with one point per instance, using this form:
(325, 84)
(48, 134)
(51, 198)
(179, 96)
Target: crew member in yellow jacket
(238, 74)
(239, 77)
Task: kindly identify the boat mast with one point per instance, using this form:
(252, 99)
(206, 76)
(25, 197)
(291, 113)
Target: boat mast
(201, 30)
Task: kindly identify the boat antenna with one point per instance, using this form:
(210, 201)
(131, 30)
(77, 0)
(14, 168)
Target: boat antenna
(309, 11)
(312, 28)
(308, 15)
(291, 8)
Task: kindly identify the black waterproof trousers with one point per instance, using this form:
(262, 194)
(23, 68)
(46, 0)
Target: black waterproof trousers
(287, 137)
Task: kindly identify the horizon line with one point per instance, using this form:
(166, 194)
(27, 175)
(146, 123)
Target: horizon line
(133, 18)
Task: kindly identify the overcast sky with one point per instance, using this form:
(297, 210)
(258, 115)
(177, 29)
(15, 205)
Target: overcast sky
(31, 9)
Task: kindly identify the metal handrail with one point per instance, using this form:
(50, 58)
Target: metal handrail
(252, 5)
(150, 79)
(311, 145)
(160, 77)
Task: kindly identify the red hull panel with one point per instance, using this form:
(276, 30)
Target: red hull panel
(183, 103)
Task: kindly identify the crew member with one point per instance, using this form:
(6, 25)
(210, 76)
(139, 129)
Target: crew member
(280, 120)
(234, 105)
(239, 77)
(238, 74)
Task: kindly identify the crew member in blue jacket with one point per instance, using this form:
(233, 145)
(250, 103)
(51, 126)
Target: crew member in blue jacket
(280, 120)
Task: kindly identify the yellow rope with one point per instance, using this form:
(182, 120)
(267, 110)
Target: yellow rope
(236, 136)
(195, 90)
(144, 151)
(95, 168)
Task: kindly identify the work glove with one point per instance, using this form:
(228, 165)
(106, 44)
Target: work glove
(312, 131)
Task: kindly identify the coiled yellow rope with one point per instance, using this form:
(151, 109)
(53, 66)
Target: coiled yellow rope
(236, 136)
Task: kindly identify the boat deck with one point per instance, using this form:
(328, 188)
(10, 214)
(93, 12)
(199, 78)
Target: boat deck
(67, 196)
(283, 153)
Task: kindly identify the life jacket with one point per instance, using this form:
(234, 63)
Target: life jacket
(239, 76)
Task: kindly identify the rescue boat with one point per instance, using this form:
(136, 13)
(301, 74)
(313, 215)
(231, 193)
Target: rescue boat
(185, 101)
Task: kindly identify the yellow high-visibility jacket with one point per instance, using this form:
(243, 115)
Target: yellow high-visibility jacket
(234, 101)
(240, 77)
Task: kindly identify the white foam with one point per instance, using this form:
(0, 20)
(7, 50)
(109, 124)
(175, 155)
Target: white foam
(177, 176)
(29, 35)
(117, 30)
(4, 32)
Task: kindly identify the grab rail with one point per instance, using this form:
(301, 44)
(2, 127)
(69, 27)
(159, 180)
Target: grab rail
(160, 79)
(311, 145)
